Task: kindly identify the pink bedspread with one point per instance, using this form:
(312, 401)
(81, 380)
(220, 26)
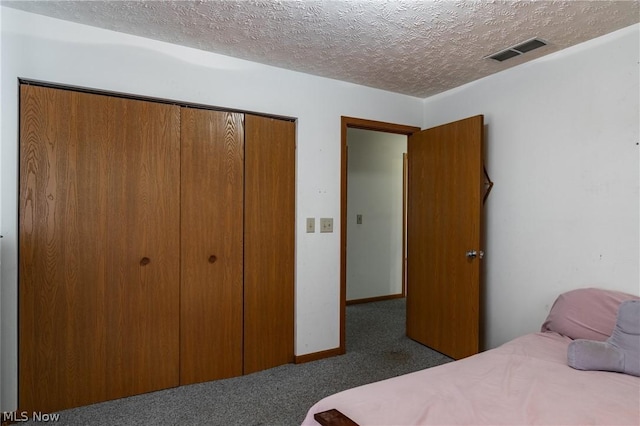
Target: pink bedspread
(523, 382)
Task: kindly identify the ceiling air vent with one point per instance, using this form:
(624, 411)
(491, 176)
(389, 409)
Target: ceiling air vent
(517, 50)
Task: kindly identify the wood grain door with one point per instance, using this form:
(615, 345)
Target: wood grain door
(445, 222)
(212, 245)
(98, 259)
(269, 243)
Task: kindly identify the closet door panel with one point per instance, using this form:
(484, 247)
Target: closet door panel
(144, 224)
(88, 315)
(62, 194)
(211, 245)
(269, 242)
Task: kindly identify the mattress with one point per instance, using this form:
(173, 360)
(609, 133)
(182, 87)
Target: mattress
(524, 381)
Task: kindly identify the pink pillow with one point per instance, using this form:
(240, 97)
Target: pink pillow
(585, 313)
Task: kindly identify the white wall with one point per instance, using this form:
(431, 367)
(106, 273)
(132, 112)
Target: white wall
(40, 48)
(562, 149)
(374, 190)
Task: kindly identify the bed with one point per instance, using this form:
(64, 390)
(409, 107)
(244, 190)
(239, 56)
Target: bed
(525, 381)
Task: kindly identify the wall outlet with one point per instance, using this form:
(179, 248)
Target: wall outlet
(311, 225)
(326, 224)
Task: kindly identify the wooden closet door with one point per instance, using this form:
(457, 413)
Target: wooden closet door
(143, 214)
(98, 193)
(269, 243)
(212, 245)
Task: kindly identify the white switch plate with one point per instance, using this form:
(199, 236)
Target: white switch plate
(311, 225)
(326, 224)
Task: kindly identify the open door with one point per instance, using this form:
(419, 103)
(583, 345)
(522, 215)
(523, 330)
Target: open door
(444, 241)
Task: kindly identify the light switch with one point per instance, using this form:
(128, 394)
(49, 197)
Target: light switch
(326, 224)
(311, 225)
(359, 219)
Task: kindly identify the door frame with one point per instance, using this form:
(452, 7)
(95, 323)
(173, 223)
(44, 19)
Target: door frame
(355, 123)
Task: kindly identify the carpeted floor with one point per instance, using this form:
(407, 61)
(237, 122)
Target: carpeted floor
(377, 348)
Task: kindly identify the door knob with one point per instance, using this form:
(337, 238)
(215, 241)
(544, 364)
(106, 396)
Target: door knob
(212, 258)
(145, 261)
(472, 254)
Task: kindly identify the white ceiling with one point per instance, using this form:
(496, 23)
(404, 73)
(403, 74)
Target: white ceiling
(418, 48)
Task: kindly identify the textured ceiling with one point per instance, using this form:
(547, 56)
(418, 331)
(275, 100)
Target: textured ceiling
(417, 48)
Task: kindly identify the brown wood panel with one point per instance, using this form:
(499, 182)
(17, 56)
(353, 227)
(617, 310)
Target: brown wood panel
(333, 417)
(143, 215)
(211, 245)
(444, 221)
(269, 242)
(55, 212)
(88, 314)
(405, 175)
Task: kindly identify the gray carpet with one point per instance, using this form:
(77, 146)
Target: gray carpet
(377, 348)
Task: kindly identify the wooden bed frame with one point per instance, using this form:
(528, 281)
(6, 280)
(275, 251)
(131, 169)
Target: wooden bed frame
(333, 418)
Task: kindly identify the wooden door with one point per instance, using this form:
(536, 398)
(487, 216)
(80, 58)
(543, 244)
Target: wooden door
(445, 222)
(269, 242)
(212, 245)
(98, 259)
